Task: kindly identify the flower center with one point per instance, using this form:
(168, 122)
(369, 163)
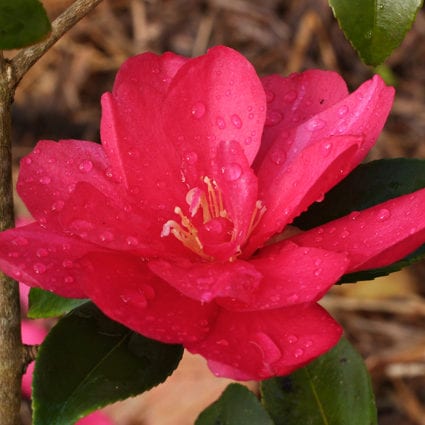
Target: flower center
(213, 226)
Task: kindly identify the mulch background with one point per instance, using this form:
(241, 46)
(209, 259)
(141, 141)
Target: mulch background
(59, 98)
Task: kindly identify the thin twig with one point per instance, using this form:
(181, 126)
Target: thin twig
(23, 61)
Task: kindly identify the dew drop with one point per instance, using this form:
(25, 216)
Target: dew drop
(308, 343)
(318, 272)
(342, 110)
(132, 241)
(292, 339)
(190, 157)
(67, 264)
(273, 117)
(133, 153)
(69, 279)
(39, 268)
(236, 121)
(106, 236)
(344, 234)
(232, 172)
(198, 110)
(326, 149)
(278, 157)
(42, 252)
(20, 241)
(27, 161)
(13, 254)
(298, 353)
(291, 299)
(315, 124)
(220, 123)
(86, 166)
(222, 342)
(45, 180)
(383, 214)
(248, 141)
(58, 205)
(290, 96)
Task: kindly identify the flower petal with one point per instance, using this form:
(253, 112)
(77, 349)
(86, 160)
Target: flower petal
(115, 223)
(288, 191)
(43, 259)
(292, 274)
(49, 174)
(294, 99)
(259, 345)
(375, 237)
(215, 97)
(125, 290)
(206, 281)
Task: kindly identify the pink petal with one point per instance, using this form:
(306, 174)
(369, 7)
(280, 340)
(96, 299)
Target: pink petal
(48, 175)
(115, 223)
(132, 131)
(375, 237)
(206, 281)
(33, 333)
(125, 290)
(43, 259)
(259, 345)
(295, 99)
(292, 274)
(215, 97)
(95, 418)
(288, 191)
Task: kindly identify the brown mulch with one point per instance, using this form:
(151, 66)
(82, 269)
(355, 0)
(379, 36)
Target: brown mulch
(59, 98)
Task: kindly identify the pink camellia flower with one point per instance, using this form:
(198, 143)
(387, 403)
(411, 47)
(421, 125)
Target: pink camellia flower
(173, 225)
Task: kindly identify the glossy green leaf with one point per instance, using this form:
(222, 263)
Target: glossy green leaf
(375, 28)
(22, 22)
(236, 406)
(47, 304)
(88, 361)
(368, 185)
(334, 389)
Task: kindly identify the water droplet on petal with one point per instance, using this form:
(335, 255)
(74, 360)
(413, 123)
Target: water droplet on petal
(292, 339)
(345, 234)
(290, 96)
(326, 149)
(20, 241)
(232, 172)
(13, 254)
(69, 279)
(308, 343)
(271, 351)
(86, 166)
(273, 117)
(248, 141)
(223, 342)
(133, 153)
(291, 299)
(132, 241)
(190, 157)
(236, 121)
(383, 214)
(42, 252)
(315, 124)
(106, 236)
(58, 205)
(67, 264)
(278, 157)
(342, 110)
(45, 180)
(220, 123)
(318, 272)
(27, 160)
(298, 353)
(39, 268)
(198, 110)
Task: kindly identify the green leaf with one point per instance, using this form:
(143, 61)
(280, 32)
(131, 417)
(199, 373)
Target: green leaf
(47, 304)
(334, 389)
(88, 361)
(22, 22)
(236, 406)
(368, 185)
(375, 27)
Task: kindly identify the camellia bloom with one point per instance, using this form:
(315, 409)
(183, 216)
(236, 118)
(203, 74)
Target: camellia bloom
(177, 224)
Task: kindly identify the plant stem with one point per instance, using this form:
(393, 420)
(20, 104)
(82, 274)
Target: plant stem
(13, 355)
(26, 58)
(10, 331)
